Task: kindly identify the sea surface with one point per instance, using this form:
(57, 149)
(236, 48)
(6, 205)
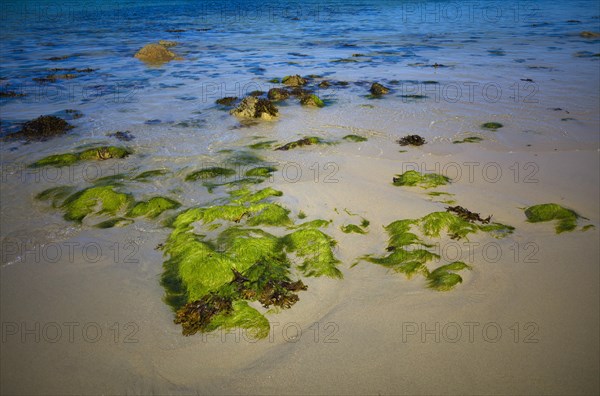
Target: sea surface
(451, 66)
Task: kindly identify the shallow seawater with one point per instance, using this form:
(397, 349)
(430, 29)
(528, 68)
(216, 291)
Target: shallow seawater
(450, 67)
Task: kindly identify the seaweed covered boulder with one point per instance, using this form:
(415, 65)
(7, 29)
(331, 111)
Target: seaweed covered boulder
(278, 94)
(378, 89)
(293, 81)
(97, 153)
(312, 100)
(155, 54)
(42, 128)
(252, 107)
(588, 34)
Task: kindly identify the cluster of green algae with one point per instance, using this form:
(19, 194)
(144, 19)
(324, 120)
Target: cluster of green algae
(97, 153)
(211, 277)
(211, 280)
(410, 249)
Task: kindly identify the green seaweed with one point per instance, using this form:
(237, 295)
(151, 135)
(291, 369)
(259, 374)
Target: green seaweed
(267, 144)
(413, 178)
(315, 248)
(153, 207)
(209, 173)
(492, 125)
(352, 228)
(242, 316)
(261, 171)
(318, 223)
(98, 153)
(566, 218)
(307, 141)
(355, 138)
(103, 153)
(144, 176)
(208, 281)
(443, 279)
(409, 252)
(243, 182)
(116, 222)
(470, 139)
(55, 194)
(57, 160)
(95, 200)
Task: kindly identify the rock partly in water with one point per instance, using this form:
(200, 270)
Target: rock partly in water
(588, 34)
(312, 100)
(252, 107)
(43, 128)
(155, 53)
(412, 140)
(124, 136)
(278, 94)
(378, 89)
(167, 43)
(294, 81)
(227, 101)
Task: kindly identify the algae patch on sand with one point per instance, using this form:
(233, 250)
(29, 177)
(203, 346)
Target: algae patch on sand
(210, 277)
(413, 178)
(411, 245)
(566, 219)
(98, 153)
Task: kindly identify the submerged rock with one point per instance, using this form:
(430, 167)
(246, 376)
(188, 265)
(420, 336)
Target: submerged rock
(294, 81)
(155, 53)
(307, 141)
(588, 34)
(124, 136)
(43, 128)
(227, 101)
(252, 107)
(167, 43)
(278, 94)
(378, 89)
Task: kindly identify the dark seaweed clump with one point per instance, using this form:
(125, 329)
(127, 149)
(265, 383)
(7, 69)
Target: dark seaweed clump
(227, 101)
(124, 136)
(412, 140)
(43, 128)
(466, 214)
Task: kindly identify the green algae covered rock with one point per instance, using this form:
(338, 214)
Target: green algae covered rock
(98, 153)
(307, 141)
(293, 81)
(566, 219)
(210, 173)
(312, 100)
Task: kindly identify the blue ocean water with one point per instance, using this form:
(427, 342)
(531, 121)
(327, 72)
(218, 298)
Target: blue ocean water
(231, 48)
